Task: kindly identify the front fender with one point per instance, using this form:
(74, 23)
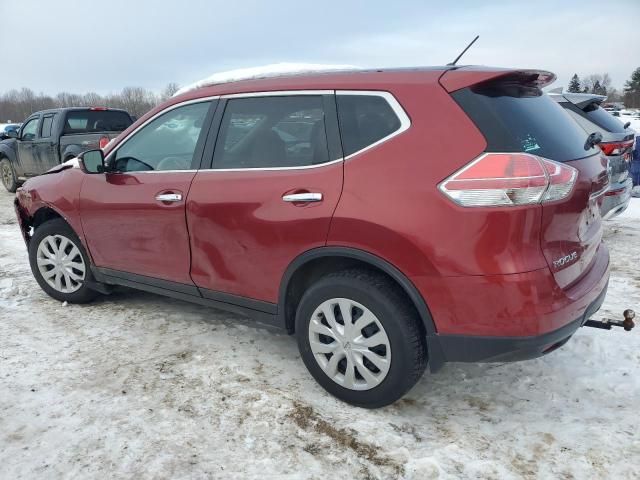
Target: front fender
(59, 192)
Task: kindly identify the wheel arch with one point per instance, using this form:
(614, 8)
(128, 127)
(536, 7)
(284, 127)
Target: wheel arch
(320, 261)
(71, 151)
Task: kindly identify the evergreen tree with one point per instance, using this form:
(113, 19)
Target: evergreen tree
(632, 90)
(633, 85)
(574, 84)
(597, 88)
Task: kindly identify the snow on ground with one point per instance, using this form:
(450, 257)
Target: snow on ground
(140, 386)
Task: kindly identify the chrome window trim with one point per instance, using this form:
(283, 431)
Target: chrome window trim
(151, 119)
(405, 121)
(278, 93)
(271, 169)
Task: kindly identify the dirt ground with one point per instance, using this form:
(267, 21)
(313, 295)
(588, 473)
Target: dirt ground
(140, 386)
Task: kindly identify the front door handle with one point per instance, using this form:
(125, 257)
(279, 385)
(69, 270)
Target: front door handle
(169, 197)
(302, 197)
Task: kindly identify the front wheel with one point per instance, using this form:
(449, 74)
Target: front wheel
(360, 338)
(59, 263)
(8, 176)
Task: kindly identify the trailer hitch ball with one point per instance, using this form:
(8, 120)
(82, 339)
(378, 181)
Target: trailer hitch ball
(608, 323)
(628, 323)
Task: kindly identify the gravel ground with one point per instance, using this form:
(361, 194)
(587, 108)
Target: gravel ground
(140, 386)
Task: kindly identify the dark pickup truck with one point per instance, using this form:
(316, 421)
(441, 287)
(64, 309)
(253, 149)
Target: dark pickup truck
(50, 137)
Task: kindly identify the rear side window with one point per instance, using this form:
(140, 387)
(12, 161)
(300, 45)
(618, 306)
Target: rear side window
(364, 120)
(45, 130)
(269, 132)
(518, 118)
(598, 115)
(87, 121)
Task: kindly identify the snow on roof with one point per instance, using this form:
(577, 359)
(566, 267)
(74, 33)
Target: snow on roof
(265, 71)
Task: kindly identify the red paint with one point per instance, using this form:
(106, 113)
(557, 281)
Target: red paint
(127, 229)
(482, 271)
(243, 235)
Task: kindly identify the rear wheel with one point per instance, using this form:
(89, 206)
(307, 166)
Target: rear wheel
(59, 263)
(8, 176)
(360, 338)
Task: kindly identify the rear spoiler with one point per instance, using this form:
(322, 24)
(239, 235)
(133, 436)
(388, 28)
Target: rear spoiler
(463, 77)
(581, 100)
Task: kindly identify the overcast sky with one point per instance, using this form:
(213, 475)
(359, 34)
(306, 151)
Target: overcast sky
(81, 45)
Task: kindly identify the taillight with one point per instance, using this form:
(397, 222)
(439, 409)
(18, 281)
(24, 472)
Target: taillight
(615, 148)
(104, 141)
(509, 179)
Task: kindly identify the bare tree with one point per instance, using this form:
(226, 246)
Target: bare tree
(597, 83)
(17, 105)
(169, 91)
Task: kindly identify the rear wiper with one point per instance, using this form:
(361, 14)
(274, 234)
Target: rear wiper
(592, 140)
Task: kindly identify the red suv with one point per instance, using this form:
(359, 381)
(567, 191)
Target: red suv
(388, 218)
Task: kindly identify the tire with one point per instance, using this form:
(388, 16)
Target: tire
(382, 317)
(50, 238)
(8, 175)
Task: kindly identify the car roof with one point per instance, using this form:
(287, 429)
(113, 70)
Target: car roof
(294, 71)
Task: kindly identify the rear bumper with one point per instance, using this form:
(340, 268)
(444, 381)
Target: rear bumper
(461, 348)
(615, 204)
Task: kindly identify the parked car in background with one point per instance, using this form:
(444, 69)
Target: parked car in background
(441, 214)
(8, 127)
(631, 116)
(617, 145)
(51, 137)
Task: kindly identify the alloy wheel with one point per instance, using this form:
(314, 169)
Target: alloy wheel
(7, 175)
(350, 344)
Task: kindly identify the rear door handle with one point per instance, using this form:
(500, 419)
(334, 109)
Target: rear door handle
(169, 197)
(302, 197)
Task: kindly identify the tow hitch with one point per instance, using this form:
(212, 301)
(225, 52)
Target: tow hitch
(607, 323)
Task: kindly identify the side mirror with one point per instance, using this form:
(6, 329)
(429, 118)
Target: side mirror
(592, 140)
(11, 134)
(626, 125)
(92, 161)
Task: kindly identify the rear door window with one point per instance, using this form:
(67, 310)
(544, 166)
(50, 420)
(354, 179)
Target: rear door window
(518, 118)
(272, 132)
(364, 120)
(45, 129)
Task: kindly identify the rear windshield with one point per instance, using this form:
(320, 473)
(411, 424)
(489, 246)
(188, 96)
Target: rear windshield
(518, 118)
(86, 121)
(602, 118)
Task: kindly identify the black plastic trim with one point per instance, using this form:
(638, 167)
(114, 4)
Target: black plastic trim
(262, 312)
(332, 129)
(366, 257)
(151, 281)
(206, 162)
(245, 302)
